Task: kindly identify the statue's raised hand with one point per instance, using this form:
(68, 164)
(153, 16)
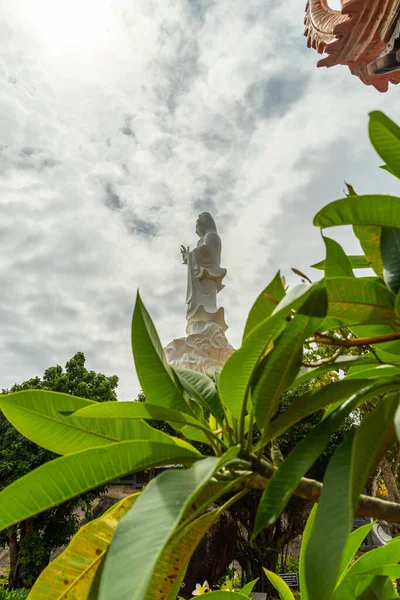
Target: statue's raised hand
(184, 252)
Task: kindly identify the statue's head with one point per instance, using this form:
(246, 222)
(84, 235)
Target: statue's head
(204, 224)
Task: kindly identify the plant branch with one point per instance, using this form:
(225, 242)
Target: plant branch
(330, 340)
(310, 489)
(325, 361)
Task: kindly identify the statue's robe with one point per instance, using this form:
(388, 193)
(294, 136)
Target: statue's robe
(205, 277)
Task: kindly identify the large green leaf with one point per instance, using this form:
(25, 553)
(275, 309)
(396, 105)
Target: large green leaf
(265, 304)
(353, 543)
(376, 371)
(358, 261)
(390, 253)
(356, 300)
(156, 377)
(236, 375)
(337, 263)
(369, 439)
(40, 416)
(146, 530)
(342, 362)
(69, 476)
(283, 363)
(280, 585)
(374, 559)
(332, 525)
(369, 237)
(303, 550)
(71, 574)
(367, 214)
(203, 389)
(170, 569)
(137, 410)
(308, 403)
(385, 137)
(381, 211)
(221, 595)
(248, 588)
(378, 587)
(285, 479)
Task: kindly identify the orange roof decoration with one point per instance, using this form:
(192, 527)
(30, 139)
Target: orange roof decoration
(364, 35)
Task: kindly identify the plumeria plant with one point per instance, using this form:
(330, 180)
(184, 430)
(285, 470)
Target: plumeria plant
(140, 548)
(201, 589)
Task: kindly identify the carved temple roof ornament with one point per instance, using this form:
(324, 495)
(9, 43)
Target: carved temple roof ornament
(364, 35)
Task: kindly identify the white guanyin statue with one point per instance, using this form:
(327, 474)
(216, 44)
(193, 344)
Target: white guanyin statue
(206, 347)
(204, 277)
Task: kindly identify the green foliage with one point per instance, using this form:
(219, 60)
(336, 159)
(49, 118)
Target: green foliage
(281, 411)
(370, 576)
(19, 456)
(20, 594)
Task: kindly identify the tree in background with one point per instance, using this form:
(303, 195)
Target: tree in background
(31, 542)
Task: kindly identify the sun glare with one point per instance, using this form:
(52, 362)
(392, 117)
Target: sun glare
(69, 25)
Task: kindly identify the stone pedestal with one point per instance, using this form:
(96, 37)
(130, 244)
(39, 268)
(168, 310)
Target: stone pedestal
(204, 350)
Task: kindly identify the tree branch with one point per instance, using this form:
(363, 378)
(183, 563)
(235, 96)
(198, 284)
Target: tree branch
(325, 361)
(330, 340)
(310, 489)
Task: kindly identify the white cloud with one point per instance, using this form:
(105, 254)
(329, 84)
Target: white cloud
(117, 132)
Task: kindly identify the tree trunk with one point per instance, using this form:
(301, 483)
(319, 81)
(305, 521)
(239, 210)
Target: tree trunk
(15, 577)
(213, 555)
(390, 481)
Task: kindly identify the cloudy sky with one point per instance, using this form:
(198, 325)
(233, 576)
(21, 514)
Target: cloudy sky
(120, 121)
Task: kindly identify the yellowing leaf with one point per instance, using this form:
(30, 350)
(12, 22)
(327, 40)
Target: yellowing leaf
(71, 574)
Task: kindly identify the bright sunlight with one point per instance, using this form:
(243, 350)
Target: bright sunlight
(69, 25)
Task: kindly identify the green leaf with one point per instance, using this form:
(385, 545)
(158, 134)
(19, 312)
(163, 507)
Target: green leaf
(203, 389)
(369, 439)
(303, 550)
(353, 543)
(376, 587)
(170, 569)
(390, 253)
(332, 525)
(356, 300)
(222, 595)
(281, 367)
(308, 403)
(381, 211)
(380, 557)
(392, 571)
(367, 214)
(385, 137)
(146, 530)
(156, 377)
(337, 264)
(283, 363)
(71, 574)
(69, 476)
(388, 169)
(369, 237)
(373, 372)
(342, 362)
(280, 585)
(236, 375)
(137, 410)
(248, 588)
(37, 414)
(356, 262)
(286, 479)
(377, 584)
(264, 305)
